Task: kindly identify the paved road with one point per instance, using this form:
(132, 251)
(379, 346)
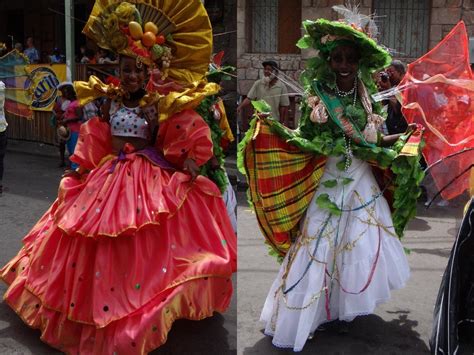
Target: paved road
(31, 182)
(401, 326)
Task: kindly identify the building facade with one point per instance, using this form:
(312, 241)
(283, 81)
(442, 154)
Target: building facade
(409, 27)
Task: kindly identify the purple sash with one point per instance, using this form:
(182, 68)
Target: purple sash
(154, 156)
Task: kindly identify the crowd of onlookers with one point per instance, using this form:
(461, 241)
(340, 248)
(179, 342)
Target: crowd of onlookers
(85, 55)
(68, 115)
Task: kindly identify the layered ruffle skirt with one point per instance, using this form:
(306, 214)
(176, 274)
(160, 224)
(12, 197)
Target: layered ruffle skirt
(120, 255)
(341, 266)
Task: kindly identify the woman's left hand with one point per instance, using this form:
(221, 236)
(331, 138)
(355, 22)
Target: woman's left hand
(191, 167)
(411, 127)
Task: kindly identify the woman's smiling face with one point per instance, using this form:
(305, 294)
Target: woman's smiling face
(132, 77)
(344, 62)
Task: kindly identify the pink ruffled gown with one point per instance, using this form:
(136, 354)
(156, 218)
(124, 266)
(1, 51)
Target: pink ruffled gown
(128, 248)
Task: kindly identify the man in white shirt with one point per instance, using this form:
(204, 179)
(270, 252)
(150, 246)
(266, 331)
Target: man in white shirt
(272, 90)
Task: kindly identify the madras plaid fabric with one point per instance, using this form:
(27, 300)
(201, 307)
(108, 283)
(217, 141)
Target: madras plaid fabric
(282, 181)
(412, 146)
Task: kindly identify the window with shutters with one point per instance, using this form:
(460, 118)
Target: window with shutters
(275, 26)
(403, 26)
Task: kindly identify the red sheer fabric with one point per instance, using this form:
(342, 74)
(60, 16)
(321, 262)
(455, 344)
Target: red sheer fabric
(438, 93)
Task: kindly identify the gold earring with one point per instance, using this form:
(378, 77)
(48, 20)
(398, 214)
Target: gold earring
(139, 63)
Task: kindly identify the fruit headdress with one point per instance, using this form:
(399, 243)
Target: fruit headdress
(174, 36)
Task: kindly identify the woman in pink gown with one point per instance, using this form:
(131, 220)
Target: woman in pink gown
(136, 239)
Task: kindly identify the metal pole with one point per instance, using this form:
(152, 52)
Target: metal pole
(69, 27)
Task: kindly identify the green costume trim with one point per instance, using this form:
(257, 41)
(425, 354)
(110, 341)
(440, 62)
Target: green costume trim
(218, 175)
(407, 169)
(335, 109)
(216, 75)
(373, 56)
(327, 139)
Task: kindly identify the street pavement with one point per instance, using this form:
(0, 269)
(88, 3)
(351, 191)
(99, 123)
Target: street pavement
(31, 179)
(401, 326)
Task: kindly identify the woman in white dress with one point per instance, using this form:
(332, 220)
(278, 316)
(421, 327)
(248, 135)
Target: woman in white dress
(346, 256)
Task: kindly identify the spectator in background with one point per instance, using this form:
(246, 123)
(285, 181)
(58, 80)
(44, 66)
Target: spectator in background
(104, 57)
(31, 52)
(19, 47)
(92, 109)
(3, 131)
(61, 134)
(272, 90)
(396, 71)
(72, 117)
(81, 54)
(383, 83)
(395, 122)
(88, 57)
(56, 57)
(3, 122)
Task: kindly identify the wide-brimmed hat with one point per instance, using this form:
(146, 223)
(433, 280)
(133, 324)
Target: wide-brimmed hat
(325, 35)
(173, 35)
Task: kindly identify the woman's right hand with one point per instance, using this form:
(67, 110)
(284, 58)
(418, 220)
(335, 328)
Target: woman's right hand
(191, 167)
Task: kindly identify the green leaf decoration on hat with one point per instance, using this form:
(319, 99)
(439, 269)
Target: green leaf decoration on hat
(322, 33)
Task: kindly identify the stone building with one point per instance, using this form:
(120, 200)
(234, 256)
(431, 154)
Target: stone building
(269, 29)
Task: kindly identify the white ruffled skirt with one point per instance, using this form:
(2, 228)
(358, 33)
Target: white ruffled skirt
(340, 266)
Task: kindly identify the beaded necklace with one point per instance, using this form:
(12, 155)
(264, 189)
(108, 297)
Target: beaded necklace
(342, 93)
(347, 140)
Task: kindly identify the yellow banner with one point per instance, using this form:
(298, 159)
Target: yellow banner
(42, 83)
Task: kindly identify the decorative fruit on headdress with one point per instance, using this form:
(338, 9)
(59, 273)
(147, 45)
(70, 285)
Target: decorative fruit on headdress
(131, 29)
(173, 36)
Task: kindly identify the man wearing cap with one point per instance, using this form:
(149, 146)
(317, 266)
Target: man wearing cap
(270, 89)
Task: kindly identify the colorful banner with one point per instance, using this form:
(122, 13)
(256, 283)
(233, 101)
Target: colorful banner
(29, 87)
(13, 74)
(42, 84)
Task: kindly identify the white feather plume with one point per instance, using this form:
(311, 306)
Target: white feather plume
(353, 17)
